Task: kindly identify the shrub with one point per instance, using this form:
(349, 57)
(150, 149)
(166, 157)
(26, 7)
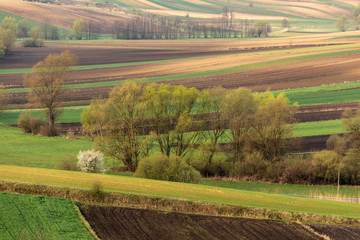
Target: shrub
(296, 170)
(29, 123)
(254, 166)
(97, 191)
(32, 43)
(69, 163)
(172, 168)
(325, 165)
(48, 131)
(90, 161)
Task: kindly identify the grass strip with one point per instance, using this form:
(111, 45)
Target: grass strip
(190, 192)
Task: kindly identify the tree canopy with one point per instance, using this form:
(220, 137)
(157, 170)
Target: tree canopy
(46, 83)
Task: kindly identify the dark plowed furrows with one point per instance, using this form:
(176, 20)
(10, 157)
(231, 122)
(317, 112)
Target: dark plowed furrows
(338, 232)
(309, 144)
(125, 223)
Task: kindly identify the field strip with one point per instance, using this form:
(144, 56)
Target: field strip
(48, 217)
(240, 68)
(146, 187)
(309, 50)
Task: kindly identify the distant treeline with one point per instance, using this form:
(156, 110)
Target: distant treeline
(155, 27)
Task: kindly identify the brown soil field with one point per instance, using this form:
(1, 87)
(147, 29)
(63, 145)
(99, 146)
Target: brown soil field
(293, 75)
(23, 57)
(338, 232)
(63, 15)
(309, 73)
(126, 223)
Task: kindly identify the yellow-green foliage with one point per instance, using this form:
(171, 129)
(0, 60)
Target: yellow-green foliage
(162, 167)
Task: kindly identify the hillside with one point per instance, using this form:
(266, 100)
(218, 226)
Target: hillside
(303, 16)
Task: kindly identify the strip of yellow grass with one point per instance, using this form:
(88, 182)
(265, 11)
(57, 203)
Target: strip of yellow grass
(190, 192)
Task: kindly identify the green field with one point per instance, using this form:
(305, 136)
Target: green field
(21, 149)
(39, 217)
(287, 189)
(190, 192)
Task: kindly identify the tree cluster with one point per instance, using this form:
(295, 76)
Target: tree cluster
(145, 26)
(84, 30)
(8, 28)
(138, 119)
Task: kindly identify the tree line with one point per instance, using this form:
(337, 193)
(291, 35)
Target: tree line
(155, 27)
(138, 119)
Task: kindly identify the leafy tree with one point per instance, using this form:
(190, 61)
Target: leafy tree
(23, 28)
(37, 37)
(7, 40)
(46, 83)
(285, 23)
(270, 125)
(342, 23)
(262, 28)
(9, 23)
(94, 118)
(53, 33)
(211, 102)
(169, 108)
(117, 130)
(239, 106)
(4, 98)
(80, 29)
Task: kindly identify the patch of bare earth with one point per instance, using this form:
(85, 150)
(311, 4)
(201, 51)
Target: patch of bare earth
(127, 223)
(338, 232)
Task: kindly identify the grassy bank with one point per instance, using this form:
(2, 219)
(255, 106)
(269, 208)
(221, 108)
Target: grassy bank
(191, 192)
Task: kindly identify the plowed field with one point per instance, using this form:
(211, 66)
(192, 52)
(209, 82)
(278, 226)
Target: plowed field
(60, 14)
(125, 223)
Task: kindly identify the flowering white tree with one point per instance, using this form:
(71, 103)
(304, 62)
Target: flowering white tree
(90, 161)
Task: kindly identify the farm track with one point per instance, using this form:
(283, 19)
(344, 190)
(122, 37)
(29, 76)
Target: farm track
(113, 222)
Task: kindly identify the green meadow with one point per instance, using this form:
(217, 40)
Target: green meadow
(22, 149)
(39, 217)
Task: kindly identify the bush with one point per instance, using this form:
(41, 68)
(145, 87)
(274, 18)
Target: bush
(97, 191)
(296, 170)
(90, 161)
(172, 168)
(324, 167)
(32, 43)
(254, 167)
(29, 123)
(69, 163)
(48, 131)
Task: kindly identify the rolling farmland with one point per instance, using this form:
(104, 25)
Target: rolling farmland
(309, 60)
